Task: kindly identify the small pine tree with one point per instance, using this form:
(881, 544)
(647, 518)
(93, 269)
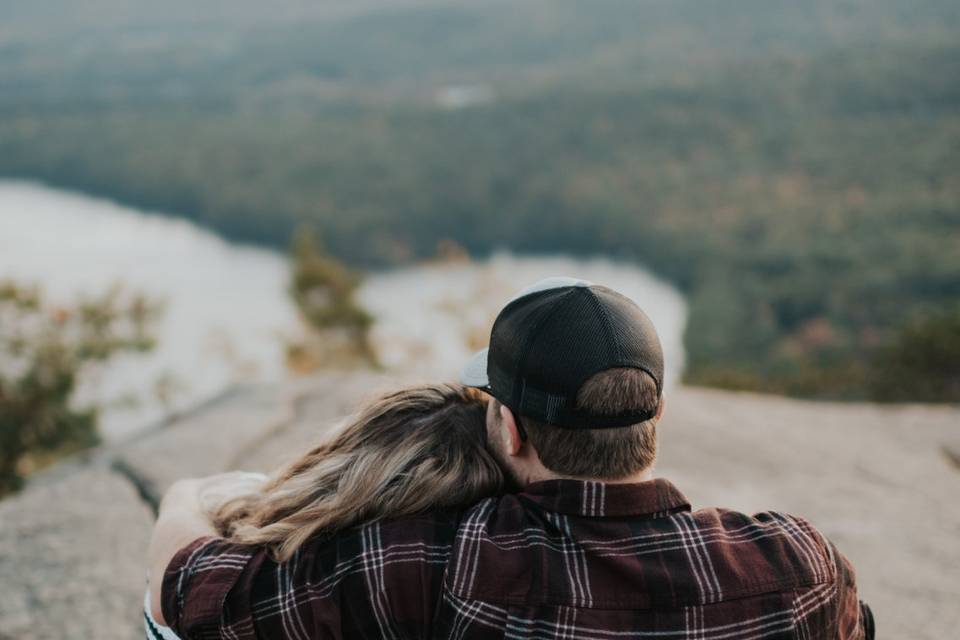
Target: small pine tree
(922, 363)
(323, 290)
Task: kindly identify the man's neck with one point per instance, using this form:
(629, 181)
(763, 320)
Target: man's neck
(527, 468)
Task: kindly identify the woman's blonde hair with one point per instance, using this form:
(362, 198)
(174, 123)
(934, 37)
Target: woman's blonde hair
(409, 451)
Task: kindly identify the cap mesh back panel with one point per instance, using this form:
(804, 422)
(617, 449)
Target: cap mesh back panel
(545, 345)
(574, 344)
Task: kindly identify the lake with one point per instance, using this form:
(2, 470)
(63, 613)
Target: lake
(227, 315)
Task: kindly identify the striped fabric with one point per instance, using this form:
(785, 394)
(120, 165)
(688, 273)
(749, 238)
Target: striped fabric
(563, 559)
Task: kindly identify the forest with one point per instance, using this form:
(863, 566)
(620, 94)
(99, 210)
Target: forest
(794, 167)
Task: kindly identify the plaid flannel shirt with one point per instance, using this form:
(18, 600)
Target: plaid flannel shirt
(563, 559)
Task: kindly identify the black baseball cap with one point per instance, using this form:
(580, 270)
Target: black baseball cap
(551, 338)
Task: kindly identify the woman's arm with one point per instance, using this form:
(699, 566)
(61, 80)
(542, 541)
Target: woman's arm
(181, 521)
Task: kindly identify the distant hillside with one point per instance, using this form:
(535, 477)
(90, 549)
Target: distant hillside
(793, 166)
(108, 52)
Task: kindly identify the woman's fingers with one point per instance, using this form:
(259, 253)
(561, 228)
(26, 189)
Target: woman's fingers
(215, 490)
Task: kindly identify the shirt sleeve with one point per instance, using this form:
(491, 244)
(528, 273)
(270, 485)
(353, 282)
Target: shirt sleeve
(378, 580)
(842, 612)
(198, 581)
(854, 617)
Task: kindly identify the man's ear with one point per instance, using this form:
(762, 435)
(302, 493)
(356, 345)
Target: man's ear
(509, 432)
(663, 401)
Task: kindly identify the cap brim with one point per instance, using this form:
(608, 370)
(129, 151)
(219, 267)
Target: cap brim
(475, 373)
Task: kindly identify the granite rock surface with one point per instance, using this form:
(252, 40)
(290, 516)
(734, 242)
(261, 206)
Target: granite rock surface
(880, 481)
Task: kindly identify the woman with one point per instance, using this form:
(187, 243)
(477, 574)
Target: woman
(408, 451)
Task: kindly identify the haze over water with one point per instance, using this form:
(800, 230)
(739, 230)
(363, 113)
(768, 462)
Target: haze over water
(227, 311)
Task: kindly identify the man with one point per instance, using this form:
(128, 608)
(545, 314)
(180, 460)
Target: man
(589, 546)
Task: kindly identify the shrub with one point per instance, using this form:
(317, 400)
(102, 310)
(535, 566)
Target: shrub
(44, 352)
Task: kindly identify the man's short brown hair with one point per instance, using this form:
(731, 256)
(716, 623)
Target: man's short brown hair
(602, 453)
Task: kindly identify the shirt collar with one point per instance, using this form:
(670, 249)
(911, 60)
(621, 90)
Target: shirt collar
(598, 499)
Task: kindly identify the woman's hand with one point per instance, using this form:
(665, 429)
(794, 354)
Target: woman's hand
(184, 517)
(218, 489)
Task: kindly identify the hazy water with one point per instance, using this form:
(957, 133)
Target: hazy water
(227, 312)
(225, 304)
(431, 318)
